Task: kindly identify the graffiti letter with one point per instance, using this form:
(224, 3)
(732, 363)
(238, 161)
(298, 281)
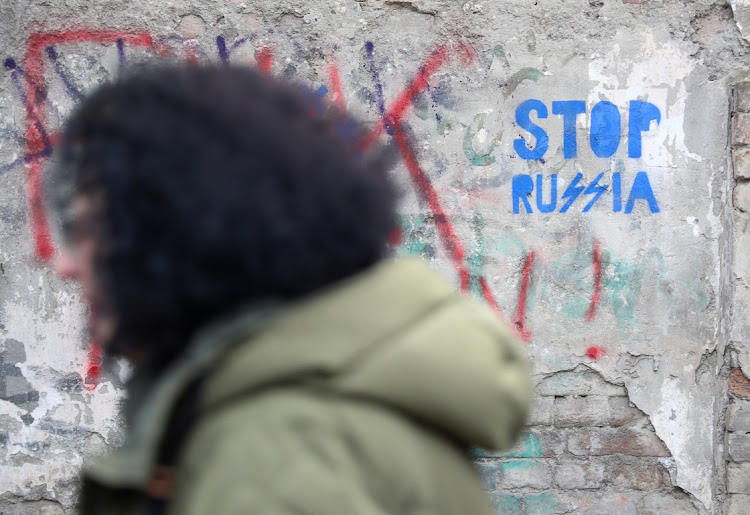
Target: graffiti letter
(549, 207)
(523, 186)
(522, 119)
(616, 192)
(641, 190)
(569, 109)
(605, 129)
(640, 116)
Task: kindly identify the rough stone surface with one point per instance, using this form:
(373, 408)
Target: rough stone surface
(739, 446)
(525, 474)
(742, 163)
(602, 442)
(738, 416)
(631, 286)
(571, 475)
(582, 411)
(738, 478)
(737, 505)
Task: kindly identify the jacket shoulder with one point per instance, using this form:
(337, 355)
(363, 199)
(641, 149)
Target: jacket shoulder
(300, 451)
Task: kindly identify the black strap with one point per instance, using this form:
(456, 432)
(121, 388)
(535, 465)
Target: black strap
(179, 427)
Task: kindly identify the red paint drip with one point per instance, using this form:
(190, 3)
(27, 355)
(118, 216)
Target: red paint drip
(519, 321)
(489, 297)
(93, 367)
(427, 191)
(396, 235)
(264, 58)
(191, 55)
(436, 60)
(596, 259)
(338, 92)
(595, 352)
(35, 142)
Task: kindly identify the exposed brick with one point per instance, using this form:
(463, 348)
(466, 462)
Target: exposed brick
(602, 503)
(741, 129)
(553, 442)
(738, 416)
(738, 384)
(581, 381)
(623, 413)
(738, 478)
(739, 446)
(541, 411)
(741, 157)
(737, 505)
(547, 503)
(638, 474)
(581, 411)
(572, 475)
(506, 504)
(742, 97)
(525, 474)
(605, 441)
(490, 471)
(662, 503)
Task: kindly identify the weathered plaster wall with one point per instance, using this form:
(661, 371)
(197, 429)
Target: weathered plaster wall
(615, 250)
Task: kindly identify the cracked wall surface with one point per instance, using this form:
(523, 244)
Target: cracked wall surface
(581, 166)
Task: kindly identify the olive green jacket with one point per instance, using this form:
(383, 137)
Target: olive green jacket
(362, 399)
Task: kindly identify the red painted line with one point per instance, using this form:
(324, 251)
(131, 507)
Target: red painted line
(34, 65)
(488, 296)
(519, 321)
(338, 92)
(191, 55)
(264, 58)
(93, 367)
(596, 259)
(594, 352)
(427, 191)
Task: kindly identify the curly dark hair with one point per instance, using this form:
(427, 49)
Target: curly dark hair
(220, 186)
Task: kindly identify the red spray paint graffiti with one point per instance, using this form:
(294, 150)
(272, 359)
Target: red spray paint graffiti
(36, 140)
(596, 259)
(519, 321)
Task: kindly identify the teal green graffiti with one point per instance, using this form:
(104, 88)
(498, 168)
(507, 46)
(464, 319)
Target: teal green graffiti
(543, 504)
(520, 76)
(530, 447)
(623, 282)
(476, 258)
(506, 504)
(417, 237)
(475, 158)
(500, 54)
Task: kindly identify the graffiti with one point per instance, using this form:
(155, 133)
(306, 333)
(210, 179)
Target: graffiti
(426, 234)
(604, 138)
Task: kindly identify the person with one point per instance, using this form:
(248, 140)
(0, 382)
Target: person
(232, 243)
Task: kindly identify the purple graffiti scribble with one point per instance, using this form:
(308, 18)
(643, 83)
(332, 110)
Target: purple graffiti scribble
(224, 52)
(46, 152)
(11, 65)
(221, 46)
(72, 91)
(121, 54)
(370, 48)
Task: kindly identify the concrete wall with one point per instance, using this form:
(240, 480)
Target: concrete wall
(582, 165)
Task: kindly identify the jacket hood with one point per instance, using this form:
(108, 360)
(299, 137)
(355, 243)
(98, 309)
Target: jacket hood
(397, 335)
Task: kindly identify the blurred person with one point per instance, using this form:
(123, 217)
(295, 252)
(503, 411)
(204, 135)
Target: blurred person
(234, 248)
